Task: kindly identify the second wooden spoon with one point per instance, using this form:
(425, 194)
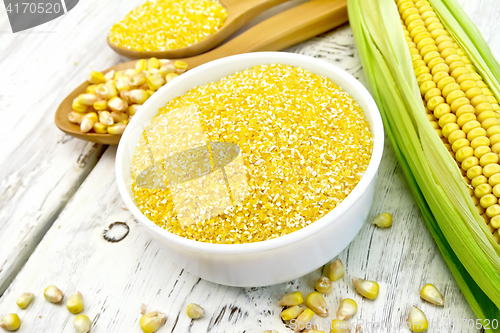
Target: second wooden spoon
(276, 33)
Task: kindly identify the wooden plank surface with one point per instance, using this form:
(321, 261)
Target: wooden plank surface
(115, 278)
(40, 167)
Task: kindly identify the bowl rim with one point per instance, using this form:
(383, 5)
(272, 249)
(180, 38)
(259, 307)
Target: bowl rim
(331, 217)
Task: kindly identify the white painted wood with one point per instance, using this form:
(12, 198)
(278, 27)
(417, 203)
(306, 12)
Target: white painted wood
(37, 161)
(41, 167)
(115, 278)
(36, 183)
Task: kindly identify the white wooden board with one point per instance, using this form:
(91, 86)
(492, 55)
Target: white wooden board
(40, 166)
(115, 278)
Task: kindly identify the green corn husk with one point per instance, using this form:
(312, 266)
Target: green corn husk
(434, 178)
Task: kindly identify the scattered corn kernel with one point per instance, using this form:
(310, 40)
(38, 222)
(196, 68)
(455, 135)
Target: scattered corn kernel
(100, 105)
(119, 75)
(139, 79)
(417, 320)
(347, 309)
(383, 220)
(291, 299)
(262, 109)
(91, 89)
(155, 81)
(138, 96)
(82, 324)
(317, 303)
(91, 115)
(166, 69)
(117, 104)
(152, 321)
(10, 322)
(86, 125)
(132, 109)
(313, 331)
(131, 72)
(431, 294)
(292, 312)
(78, 107)
(168, 24)
(324, 285)
(100, 128)
(365, 288)
(180, 64)
(336, 270)
(303, 320)
(170, 76)
(117, 128)
(87, 99)
(105, 118)
(339, 326)
(96, 77)
(24, 300)
(125, 95)
(109, 75)
(53, 294)
(271, 331)
(108, 90)
(153, 63)
(75, 303)
(88, 121)
(75, 117)
(194, 311)
(119, 116)
(123, 84)
(141, 65)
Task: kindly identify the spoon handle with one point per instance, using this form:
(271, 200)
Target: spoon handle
(238, 7)
(240, 13)
(282, 30)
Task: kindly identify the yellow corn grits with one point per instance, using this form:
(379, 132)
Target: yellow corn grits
(168, 24)
(305, 145)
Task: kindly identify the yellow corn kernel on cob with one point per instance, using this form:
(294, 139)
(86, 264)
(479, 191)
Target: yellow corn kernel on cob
(459, 105)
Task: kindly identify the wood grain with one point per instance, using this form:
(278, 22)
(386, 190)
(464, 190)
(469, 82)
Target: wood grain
(115, 278)
(40, 167)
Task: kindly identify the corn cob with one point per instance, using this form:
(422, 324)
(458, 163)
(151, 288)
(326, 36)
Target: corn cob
(460, 106)
(441, 115)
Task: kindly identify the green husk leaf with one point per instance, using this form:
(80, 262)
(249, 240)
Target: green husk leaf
(454, 186)
(434, 178)
(451, 14)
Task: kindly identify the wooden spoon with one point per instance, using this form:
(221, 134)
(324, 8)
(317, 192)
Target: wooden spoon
(276, 33)
(239, 13)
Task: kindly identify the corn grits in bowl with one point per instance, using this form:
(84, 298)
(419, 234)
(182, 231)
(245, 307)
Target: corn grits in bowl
(253, 163)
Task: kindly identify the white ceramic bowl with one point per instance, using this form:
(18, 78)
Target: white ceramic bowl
(277, 260)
